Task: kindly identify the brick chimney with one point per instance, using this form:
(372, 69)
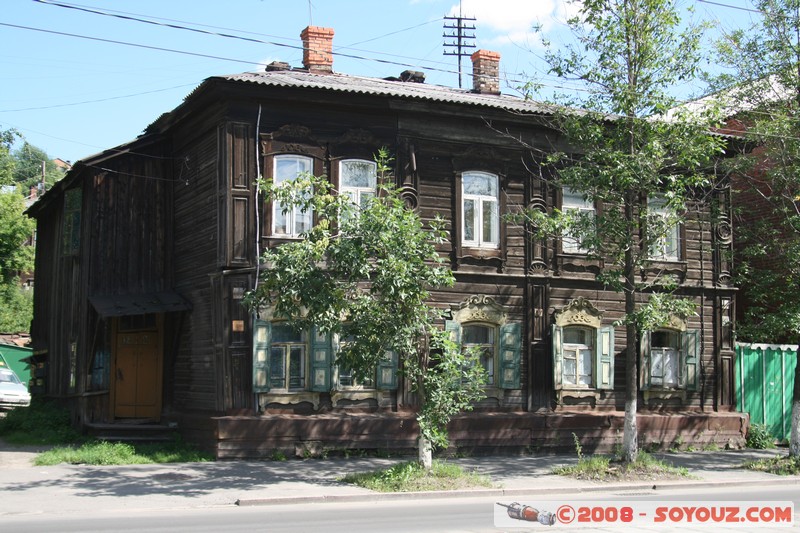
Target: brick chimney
(317, 49)
(486, 72)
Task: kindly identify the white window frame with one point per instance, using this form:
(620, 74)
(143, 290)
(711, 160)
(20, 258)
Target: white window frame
(665, 247)
(480, 204)
(576, 352)
(488, 350)
(574, 201)
(660, 355)
(347, 373)
(358, 195)
(297, 221)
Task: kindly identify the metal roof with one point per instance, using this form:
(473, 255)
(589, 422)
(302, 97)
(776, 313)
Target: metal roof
(389, 87)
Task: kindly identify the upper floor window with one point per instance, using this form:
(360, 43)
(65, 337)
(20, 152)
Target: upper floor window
(480, 210)
(665, 243)
(71, 233)
(358, 179)
(577, 203)
(290, 221)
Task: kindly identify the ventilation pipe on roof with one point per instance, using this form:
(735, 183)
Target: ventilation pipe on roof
(317, 49)
(486, 72)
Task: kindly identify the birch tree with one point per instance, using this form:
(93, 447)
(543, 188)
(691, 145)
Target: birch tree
(628, 56)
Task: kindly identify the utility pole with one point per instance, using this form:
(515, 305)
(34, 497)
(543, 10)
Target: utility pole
(464, 34)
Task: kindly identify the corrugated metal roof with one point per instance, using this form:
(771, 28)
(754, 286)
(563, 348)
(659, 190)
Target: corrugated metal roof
(382, 87)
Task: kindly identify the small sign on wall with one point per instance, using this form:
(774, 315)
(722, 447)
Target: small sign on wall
(237, 326)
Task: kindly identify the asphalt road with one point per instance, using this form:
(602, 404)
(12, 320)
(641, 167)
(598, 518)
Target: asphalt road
(442, 515)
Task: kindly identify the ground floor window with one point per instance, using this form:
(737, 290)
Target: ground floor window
(583, 357)
(287, 359)
(670, 359)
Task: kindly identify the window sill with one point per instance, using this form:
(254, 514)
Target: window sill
(480, 251)
(289, 398)
(586, 392)
(664, 394)
(353, 394)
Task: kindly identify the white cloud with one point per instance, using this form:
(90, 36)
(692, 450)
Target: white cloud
(502, 21)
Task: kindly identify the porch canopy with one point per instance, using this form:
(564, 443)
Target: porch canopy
(112, 305)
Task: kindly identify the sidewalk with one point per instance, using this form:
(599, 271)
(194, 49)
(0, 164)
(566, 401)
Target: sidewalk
(75, 488)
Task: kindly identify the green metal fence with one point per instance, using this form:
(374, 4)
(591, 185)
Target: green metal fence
(764, 375)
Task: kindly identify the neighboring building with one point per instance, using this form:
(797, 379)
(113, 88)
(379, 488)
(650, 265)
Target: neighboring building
(145, 252)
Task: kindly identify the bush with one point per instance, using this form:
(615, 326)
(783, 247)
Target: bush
(42, 422)
(759, 437)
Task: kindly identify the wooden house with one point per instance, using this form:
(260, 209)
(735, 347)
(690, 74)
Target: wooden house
(145, 252)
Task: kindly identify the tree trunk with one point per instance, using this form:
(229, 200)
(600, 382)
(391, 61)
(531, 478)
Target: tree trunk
(794, 439)
(425, 453)
(630, 434)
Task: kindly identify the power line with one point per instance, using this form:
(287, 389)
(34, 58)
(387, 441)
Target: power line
(740, 8)
(98, 100)
(135, 45)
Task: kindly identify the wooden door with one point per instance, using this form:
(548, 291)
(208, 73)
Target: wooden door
(137, 375)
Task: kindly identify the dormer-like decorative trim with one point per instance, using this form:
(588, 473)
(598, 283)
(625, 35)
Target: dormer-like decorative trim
(579, 312)
(480, 308)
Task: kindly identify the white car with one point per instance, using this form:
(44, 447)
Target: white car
(13, 392)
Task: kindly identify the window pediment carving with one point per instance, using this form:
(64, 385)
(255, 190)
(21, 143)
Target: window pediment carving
(579, 312)
(480, 308)
(675, 323)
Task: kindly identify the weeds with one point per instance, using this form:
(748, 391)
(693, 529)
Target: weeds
(603, 468)
(412, 477)
(785, 465)
(759, 437)
(43, 422)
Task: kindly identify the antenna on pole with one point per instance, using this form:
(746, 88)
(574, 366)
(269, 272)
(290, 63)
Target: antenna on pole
(463, 33)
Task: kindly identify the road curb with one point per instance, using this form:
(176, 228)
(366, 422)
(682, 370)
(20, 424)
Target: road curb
(502, 493)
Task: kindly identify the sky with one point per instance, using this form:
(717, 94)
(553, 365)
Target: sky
(75, 83)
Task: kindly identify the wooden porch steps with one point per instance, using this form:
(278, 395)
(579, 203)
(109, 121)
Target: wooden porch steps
(131, 432)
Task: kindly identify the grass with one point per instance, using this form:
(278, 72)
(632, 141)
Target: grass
(45, 423)
(412, 477)
(41, 423)
(98, 452)
(783, 465)
(604, 468)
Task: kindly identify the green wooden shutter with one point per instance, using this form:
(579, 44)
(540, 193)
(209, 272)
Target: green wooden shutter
(453, 329)
(321, 361)
(262, 331)
(604, 364)
(558, 357)
(644, 361)
(72, 222)
(690, 354)
(510, 347)
(387, 371)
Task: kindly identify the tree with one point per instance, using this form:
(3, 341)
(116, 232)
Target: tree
(16, 307)
(28, 168)
(629, 55)
(761, 88)
(363, 273)
(7, 163)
